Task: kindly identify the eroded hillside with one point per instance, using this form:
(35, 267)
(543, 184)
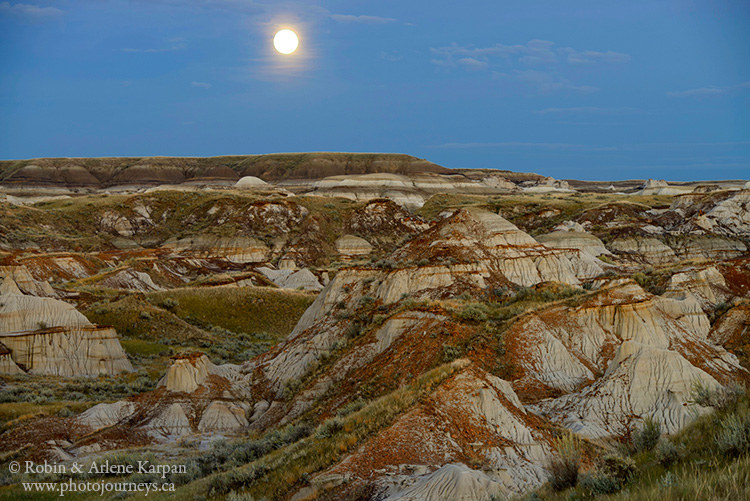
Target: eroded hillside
(303, 346)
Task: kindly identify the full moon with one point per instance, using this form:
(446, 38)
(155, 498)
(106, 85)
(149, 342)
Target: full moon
(285, 41)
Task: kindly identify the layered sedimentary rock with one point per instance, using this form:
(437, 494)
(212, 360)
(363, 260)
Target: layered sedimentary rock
(116, 223)
(20, 278)
(48, 336)
(7, 364)
(234, 249)
(483, 239)
(708, 247)
(641, 381)
(302, 352)
(661, 187)
(290, 279)
(194, 396)
(130, 279)
(479, 249)
(546, 185)
(406, 190)
(452, 481)
(418, 457)
(21, 313)
(648, 250)
(350, 247)
(68, 351)
(250, 182)
(723, 213)
(582, 241)
(382, 221)
(706, 285)
(620, 356)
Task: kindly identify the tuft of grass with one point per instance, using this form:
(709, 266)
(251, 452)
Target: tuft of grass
(566, 463)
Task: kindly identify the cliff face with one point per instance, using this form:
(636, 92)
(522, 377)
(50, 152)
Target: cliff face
(68, 351)
(48, 336)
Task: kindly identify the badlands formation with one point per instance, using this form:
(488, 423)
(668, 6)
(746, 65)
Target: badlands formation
(43, 335)
(343, 326)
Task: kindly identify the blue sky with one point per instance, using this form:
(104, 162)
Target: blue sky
(576, 89)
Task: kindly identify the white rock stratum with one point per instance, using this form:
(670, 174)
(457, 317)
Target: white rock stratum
(48, 336)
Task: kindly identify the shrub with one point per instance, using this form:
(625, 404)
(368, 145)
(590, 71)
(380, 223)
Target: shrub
(65, 412)
(721, 398)
(733, 439)
(564, 466)
(475, 312)
(353, 330)
(621, 468)
(423, 262)
(351, 407)
(386, 264)
(598, 484)
(169, 303)
(242, 496)
(329, 428)
(378, 319)
(366, 301)
(144, 315)
(666, 453)
(646, 438)
(451, 353)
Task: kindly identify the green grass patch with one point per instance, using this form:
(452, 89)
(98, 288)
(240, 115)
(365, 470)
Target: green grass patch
(141, 348)
(240, 310)
(12, 411)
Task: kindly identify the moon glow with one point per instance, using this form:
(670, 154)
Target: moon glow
(285, 41)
